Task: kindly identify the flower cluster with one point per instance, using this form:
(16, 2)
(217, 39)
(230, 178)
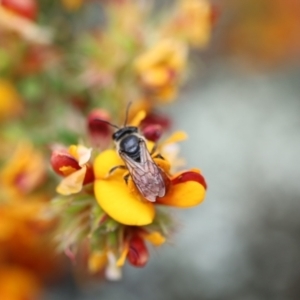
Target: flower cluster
(102, 208)
(50, 67)
(27, 252)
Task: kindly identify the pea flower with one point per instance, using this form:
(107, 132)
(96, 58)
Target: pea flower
(160, 68)
(112, 221)
(73, 164)
(124, 203)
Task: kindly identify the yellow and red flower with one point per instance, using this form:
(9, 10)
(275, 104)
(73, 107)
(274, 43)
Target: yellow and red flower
(73, 164)
(160, 69)
(125, 204)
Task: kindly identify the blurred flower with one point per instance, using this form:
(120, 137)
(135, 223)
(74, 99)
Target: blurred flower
(192, 22)
(24, 170)
(18, 284)
(160, 68)
(263, 33)
(73, 164)
(27, 255)
(26, 28)
(24, 8)
(10, 100)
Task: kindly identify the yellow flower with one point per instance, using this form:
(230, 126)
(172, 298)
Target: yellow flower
(24, 171)
(160, 68)
(10, 100)
(125, 204)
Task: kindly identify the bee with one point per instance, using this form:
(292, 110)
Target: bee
(145, 173)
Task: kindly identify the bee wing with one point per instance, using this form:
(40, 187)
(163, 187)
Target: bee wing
(146, 174)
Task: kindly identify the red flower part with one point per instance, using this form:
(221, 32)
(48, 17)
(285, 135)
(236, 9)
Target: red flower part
(24, 8)
(64, 164)
(152, 132)
(138, 253)
(190, 176)
(98, 129)
(155, 119)
(89, 175)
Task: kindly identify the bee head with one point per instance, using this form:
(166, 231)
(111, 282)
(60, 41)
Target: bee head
(120, 133)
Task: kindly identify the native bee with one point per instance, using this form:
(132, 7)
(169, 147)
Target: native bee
(145, 173)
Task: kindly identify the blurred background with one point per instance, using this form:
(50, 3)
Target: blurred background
(239, 104)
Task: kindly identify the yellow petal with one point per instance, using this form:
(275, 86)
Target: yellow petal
(140, 116)
(67, 170)
(184, 195)
(97, 261)
(124, 206)
(163, 164)
(72, 184)
(167, 93)
(105, 161)
(73, 151)
(154, 238)
(176, 137)
(121, 260)
(10, 100)
(156, 77)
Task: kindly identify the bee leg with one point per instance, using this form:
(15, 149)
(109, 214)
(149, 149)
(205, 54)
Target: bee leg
(126, 177)
(112, 170)
(159, 156)
(153, 149)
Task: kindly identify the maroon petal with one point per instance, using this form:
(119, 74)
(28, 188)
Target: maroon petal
(190, 176)
(138, 254)
(60, 159)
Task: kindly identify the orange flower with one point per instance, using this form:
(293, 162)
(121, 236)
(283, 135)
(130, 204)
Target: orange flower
(125, 204)
(160, 69)
(24, 171)
(18, 284)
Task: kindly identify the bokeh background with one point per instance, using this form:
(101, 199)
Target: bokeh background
(240, 108)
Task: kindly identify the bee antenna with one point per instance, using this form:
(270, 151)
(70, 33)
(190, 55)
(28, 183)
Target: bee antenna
(127, 111)
(108, 123)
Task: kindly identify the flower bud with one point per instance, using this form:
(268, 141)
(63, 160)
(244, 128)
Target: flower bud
(138, 253)
(100, 132)
(152, 132)
(155, 119)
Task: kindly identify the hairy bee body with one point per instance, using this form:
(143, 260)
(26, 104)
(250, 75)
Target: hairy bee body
(146, 175)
